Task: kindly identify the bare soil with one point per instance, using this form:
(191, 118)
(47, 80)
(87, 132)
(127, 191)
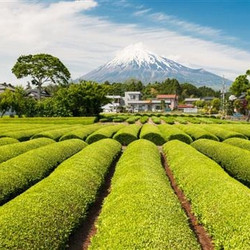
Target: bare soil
(202, 236)
(80, 240)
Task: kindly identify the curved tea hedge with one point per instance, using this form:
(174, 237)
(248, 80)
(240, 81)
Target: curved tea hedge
(221, 133)
(235, 160)
(152, 133)
(54, 207)
(170, 132)
(127, 134)
(156, 120)
(196, 132)
(238, 142)
(219, 202)
(102, 133)
(142, 211)
(12, 150)
(55, 134)
(81, 133)
(21, 172)
(133, 119)
(7, 140)
(168, 119)
(144, 119)
(240, 128)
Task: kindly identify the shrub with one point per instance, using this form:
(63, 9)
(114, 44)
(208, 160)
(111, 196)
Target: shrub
(219, 202)
(238, 142)
(81, 133)
(156, 120)
(54, 207)
(235, 160)
(55, 134)
(12, 150)
(221, 133)
(133, 119)
(240, 128)
(196, 132)
(170, 132)
(7, 140)
(127, 134)
(152, 133)
(144, 119)
(142, 211)
(102, 133)
(168, 119)
(21, 172)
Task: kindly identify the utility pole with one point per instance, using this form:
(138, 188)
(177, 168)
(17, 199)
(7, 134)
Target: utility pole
(223, 92)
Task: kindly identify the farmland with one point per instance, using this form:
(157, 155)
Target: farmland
(124, 182)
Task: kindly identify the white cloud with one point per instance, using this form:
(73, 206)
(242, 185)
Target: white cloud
(84, 43)
(141, 12)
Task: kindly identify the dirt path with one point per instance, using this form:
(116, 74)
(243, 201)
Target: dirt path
(80, 240)
(202, 236)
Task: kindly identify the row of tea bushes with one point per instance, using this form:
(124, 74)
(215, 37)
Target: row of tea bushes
(235, 160)
(7, 140)
(221, 133)
(106, 132)
(171, 133)
(133, 119)
(196, 132)
(240, 128)
(144, 119)
(81, 133)
(238, 142)
(12, 150)
(220, 202)
(24, 135)
(127, 134)
(156, 120)
(44, 216)
(152, 133)
(21, 172)
(56, 134)
(142, 211)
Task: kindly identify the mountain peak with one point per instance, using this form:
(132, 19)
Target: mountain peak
(135, 53)
(136, 61)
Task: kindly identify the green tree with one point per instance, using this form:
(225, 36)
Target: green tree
(240, 84)
(200, 103)
(42, 68)
(7, 101)
(215, 105)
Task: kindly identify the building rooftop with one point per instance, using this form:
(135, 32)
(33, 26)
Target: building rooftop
(166, 96)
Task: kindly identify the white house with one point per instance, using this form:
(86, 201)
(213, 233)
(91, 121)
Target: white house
(133, 103)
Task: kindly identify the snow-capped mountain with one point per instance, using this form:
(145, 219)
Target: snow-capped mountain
(137, 62)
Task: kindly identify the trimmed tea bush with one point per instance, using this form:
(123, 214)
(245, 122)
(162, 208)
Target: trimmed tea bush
(12, 150)
(102, 133)
(144, 119)
(44, 216)
(156, 120)
(219, 202)
(7, 140)
(152, 133)
(238, 142)
(127, 134)
(142, 211)
(133, 119)
(170, 132)
(21, 172)
(81, 133)
(235, 160)
(196, 132)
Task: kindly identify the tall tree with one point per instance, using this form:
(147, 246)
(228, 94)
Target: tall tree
(240, 84)
(42, 68)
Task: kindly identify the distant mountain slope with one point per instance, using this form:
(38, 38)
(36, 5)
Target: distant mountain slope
(136, 62)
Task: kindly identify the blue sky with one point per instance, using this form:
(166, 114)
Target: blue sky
(85, 34)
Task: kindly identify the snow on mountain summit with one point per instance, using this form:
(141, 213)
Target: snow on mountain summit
(136, 61)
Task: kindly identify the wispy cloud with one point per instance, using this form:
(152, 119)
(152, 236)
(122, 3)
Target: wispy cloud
(141, 12)
(85, 42)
